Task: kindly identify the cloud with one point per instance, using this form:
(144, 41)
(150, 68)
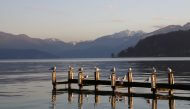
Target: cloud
(165, 18)
(118, 20)
(110, 6)
(47, 10)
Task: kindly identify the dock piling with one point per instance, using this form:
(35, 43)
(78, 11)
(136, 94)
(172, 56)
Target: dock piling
(153, 81)
(54, 78)
(70, 76)
(113, 79)
(96, 76)
(170, 80)
(80, 78)
(130, 79)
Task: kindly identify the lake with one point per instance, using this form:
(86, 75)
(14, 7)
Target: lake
(26, 84)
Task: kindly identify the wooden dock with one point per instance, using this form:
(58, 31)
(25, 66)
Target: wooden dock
(126, 82)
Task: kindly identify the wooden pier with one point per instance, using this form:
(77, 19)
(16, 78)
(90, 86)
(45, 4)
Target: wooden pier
(126, 82)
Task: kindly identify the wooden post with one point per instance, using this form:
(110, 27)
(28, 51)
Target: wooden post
(153, 81)
(70, 76)
(113, 79)
(130, 79)
(54, 78)
(80, 78)
(170, 80)
(96, 76)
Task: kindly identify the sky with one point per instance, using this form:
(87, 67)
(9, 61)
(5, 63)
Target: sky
(79, 20)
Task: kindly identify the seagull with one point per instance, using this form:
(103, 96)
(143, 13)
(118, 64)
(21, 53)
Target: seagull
(81, 69)
(170, 70)
(124, 78)
(85, 76)
(53, 68)
(130, 69)
(71, 68)
(154, 70)
(113, 70)
(97, 69)
(147, 79)
(118, 78)
(109, 77)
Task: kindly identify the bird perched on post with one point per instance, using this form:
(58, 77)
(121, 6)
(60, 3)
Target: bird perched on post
(113, 70)
(85, 76)
(169, 69)
(147, 79)
(97, 69)
(53, 68)
(124, 78)
(154, 69)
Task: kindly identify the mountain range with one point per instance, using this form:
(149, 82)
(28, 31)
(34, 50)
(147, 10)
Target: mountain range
(172, 44)
(22, 46)
(18, 45)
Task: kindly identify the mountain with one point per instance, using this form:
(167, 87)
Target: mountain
(106, 45)
(101, 47)
(186, 26)
(173, 44)
(169, 28)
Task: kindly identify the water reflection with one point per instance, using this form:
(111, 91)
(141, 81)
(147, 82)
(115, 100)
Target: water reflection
(97, 99)
(171, 103)
(53, 99)
(80, 101)
(113, 99)
(130, 102)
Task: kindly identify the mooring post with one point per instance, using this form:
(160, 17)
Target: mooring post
(170, 80)
(113, 79)
(96, 77)
(130, 79)
(54, 78)
(80, 78)
(70, 76)
(153, 81)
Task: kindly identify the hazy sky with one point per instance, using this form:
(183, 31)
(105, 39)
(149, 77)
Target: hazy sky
(75, 20)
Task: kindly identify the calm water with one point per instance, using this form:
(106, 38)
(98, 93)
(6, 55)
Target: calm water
(26, 84)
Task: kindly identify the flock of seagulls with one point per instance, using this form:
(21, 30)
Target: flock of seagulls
(148, 79)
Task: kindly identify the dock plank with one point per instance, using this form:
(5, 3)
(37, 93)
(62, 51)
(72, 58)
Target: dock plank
(180, 86)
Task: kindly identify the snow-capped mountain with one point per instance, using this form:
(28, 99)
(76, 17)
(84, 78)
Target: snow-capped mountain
(169, 28)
